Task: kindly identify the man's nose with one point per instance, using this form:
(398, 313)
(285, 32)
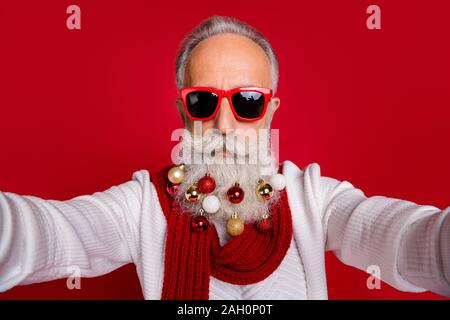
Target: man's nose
(224, 119)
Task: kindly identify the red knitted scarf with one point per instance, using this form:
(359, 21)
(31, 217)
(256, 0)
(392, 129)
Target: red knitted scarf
(191, 258)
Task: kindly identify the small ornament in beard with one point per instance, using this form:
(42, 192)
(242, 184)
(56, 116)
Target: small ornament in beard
(228, 160)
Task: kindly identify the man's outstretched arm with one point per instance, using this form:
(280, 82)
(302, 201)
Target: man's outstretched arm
(42, 240)
(410, 243)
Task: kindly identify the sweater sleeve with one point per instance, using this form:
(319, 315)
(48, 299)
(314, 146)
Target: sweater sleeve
(406, 241)
(42, 240)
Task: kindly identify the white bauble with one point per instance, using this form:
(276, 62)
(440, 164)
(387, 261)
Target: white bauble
(278, 181)
(211, 204)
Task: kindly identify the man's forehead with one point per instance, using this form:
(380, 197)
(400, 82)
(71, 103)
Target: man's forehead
(228, 60)
(230, 85)
(226, 82)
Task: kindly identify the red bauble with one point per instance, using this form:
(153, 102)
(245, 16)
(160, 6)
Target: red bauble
(235, 194)
(265, 225)
(172, 188)
(206, 184)
(199, 224)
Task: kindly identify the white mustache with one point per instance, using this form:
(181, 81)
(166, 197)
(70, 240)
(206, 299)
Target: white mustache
(235, 147)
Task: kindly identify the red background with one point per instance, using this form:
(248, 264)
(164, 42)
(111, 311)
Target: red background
(82, 110)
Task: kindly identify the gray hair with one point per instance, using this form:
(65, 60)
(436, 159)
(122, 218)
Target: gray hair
(217, 25)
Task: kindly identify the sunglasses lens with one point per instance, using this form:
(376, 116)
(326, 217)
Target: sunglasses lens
(248, 104)
(201, 104)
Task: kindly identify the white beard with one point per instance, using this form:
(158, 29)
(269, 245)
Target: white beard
(252, 208)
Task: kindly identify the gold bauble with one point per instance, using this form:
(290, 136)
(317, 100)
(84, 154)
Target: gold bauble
(235, 226)
(264, 191)
(176, 174)
(192, 194)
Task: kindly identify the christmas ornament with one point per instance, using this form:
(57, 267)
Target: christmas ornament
(211, 204)
(192, 194)
(235, 226)
(278, 181)
(199, 223)
(265, 225)
(264, 191)
(172, 188)
(176, 174)
(206, 184)
(235, 194)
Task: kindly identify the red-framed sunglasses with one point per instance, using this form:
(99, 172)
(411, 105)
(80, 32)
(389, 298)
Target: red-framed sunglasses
(248, 104)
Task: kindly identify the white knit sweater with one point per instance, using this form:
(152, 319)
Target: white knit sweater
(41, 240)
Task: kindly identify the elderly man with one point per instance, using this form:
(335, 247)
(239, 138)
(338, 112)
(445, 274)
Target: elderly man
(231, 229)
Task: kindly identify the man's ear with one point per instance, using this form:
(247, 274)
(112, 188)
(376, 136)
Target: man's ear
(180, 109)
(274, 104)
